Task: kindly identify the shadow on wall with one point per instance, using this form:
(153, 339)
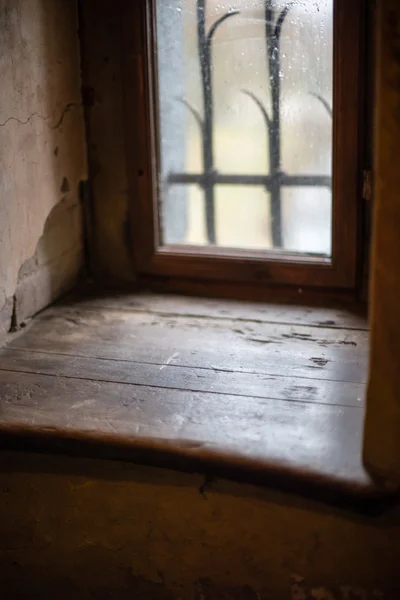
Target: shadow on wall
(102, 72)
(42, 156)
(83, 528)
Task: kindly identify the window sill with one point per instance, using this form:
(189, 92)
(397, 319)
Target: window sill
(271, 394)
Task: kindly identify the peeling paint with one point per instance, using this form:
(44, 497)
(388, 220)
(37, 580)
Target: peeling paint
(300, 590)
(65, 188)
(6, 318)
(56, 263)
(39, 96)
(322, 594)
(297, 592)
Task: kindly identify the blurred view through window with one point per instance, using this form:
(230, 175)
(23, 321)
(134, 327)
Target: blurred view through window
(245, 123)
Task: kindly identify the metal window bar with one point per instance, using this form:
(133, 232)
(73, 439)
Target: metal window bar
(276, 178)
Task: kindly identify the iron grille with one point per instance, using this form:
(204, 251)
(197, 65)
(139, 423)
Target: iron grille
(275, 179)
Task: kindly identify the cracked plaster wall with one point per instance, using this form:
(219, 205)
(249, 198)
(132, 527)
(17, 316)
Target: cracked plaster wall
(42, 155)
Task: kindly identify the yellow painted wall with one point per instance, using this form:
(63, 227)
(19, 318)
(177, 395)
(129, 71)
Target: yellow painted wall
(74, 528)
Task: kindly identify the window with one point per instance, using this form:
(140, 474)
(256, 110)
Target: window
(247, 167)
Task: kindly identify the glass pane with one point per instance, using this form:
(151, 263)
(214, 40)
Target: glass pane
(245, 123)
(312, 207)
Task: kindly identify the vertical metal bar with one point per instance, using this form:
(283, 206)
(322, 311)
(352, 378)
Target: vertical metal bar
(276, 178)
(208, 151)
(274, 63)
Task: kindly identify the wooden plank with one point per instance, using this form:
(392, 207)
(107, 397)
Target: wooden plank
(348, 316)
(185, 378)
(382, 426)
(270, 349)
(311, 441)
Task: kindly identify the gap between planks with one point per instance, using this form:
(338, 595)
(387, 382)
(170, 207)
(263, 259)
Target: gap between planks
(277, 350)
(167, 376)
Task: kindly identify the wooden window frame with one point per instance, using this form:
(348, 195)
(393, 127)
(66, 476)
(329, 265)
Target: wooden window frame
(222, 265)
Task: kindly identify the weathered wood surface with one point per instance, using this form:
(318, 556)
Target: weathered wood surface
(342, 316)
(249, 394)
(169, 376)
(311, 440)
(269, 349)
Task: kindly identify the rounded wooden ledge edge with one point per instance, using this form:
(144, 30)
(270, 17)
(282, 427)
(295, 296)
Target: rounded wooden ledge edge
(194, 456)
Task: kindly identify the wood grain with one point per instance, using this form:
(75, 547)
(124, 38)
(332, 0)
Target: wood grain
(269, 349)
(339, 316)
(169, 376)
(222, 387)
(313, 440)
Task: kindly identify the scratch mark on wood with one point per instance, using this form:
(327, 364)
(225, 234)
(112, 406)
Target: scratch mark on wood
(261, 341)
(321, 362)
(83, 404)
(169, 360)
(300, 391)
(111, 425)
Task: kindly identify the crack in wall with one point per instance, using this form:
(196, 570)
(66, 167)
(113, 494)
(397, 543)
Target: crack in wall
(58, 123)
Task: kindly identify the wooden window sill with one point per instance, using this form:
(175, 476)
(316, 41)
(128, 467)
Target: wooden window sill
(273, 394)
